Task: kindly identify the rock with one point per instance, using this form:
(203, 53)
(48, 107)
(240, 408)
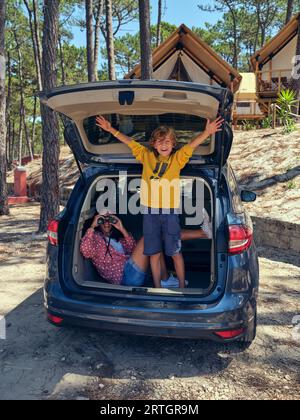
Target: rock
(82, 399)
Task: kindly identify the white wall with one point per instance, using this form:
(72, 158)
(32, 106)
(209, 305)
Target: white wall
(282, 60)
(195, 72)
(253, 109)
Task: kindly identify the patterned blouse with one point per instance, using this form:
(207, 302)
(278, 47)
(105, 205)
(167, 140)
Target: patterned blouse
(110, 265)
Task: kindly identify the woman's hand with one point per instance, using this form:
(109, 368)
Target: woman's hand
(214, 126)
(119, 224)
(95, 221)
(120, 227)
(103, 123)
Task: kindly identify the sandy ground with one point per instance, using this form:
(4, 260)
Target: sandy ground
(39, 361)
(268, 162)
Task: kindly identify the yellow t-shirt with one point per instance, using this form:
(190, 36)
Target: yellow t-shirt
(162, 193)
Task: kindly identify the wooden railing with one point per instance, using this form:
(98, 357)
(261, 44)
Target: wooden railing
(273, 81)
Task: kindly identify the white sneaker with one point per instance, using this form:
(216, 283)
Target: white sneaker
(171, 282)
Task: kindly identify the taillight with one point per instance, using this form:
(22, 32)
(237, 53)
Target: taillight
(240, 238)
(52, 232)
(226, 335)
(55, 319)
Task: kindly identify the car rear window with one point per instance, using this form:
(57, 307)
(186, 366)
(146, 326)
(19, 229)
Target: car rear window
(140, 127)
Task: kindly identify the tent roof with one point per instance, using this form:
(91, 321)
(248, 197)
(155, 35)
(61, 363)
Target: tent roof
(201, 53)
(276, 43)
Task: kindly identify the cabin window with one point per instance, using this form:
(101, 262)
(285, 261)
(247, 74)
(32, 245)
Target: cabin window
(243, 104)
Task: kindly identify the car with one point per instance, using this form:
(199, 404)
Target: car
(220, 301)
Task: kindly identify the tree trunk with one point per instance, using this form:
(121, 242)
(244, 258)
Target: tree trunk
(62, 61)
(7, 113)
(235, 40)
(289, 11)
(110, 41)
(50, 128)
(20, 141)
(3, 187)
(12, 143)
(22, 101)
(145, 40)
(34, 45)
(158, 32)
(99, 13)
(90, 39)
(37, 34)
(34, 124)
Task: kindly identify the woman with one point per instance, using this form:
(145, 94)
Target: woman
(123, 262)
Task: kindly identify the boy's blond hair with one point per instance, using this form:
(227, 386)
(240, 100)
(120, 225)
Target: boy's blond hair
(162, 132)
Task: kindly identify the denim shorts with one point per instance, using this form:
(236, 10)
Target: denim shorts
(162, 231)
(133, 275)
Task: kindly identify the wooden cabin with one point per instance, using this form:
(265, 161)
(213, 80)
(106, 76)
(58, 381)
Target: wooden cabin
(273, 64)
(186, 57)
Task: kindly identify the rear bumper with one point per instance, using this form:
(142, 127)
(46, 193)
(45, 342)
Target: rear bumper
(233, 312)
(144, 327)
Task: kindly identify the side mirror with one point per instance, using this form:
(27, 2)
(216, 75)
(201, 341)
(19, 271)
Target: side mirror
(248, 196)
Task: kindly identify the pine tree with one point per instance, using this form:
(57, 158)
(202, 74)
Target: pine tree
(3, 188)
(50, 129)
(145, 40)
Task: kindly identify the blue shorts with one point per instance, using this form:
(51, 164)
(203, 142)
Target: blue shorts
(133, 275)
(159, 230)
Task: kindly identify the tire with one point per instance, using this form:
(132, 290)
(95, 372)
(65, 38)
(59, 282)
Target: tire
(250, 335)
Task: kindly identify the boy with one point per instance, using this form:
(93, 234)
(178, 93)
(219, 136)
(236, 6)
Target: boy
(161, 168)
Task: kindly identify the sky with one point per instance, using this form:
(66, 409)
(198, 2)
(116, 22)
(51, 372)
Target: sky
(176, 12)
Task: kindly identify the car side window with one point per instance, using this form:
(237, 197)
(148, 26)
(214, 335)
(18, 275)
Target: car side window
(235, 190)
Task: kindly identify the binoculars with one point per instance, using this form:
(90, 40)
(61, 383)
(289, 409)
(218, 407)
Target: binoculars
(109, 219)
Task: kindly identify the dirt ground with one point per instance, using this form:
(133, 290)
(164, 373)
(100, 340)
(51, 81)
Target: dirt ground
(39, 361)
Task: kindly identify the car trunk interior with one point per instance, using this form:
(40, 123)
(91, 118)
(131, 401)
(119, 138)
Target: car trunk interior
(198, 253)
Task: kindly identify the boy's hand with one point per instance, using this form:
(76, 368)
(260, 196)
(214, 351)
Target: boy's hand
(214, 126)
(103, 123)
(211, 128)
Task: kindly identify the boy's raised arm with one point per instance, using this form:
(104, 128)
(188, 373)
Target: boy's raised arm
(106, 126)
(211, 128)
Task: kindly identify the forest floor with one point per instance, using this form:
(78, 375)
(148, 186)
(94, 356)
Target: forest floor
(39, 361)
